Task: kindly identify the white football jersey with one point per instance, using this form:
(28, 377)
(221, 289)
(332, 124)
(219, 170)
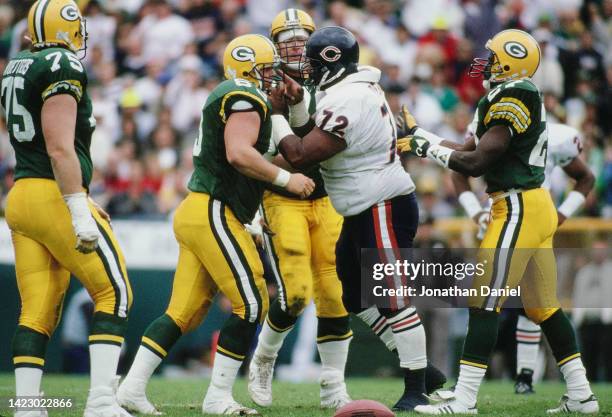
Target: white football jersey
(564, 144)
(368, 170)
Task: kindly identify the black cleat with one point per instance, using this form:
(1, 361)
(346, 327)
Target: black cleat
(434, 378)
(409, 401)
(524, 382)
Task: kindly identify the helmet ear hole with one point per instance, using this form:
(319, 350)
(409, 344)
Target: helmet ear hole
(506, 67)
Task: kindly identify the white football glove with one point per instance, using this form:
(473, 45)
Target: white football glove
(83, 223)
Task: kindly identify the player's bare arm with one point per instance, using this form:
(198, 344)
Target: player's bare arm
(58, 123)
(470, 159)
(58, 119)
(474, 163)
(585, 180)
(316, 146)
(583, 176)
(240, 137)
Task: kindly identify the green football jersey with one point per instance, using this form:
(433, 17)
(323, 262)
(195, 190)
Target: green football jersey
(313, 172)
(213, 174)
(518, 105)
(29, 79)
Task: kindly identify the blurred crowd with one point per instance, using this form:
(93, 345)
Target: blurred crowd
(152, 64)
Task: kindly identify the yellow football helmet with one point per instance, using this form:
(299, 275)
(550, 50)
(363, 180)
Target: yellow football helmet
(290, 30)
(57, 22)
(513, 54)
(291, 19)
(248, 57)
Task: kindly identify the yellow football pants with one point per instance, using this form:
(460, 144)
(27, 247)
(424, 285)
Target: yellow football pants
(302, 253)
(45, 256)
(517, 249)
(216, 253)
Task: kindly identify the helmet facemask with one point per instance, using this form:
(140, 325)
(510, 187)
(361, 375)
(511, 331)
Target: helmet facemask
(266, 75)
(316, 72)
(311, 70)
(290, 45)
(489, 68)
(81, 51)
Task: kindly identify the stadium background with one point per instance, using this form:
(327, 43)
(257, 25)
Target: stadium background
(152, 63)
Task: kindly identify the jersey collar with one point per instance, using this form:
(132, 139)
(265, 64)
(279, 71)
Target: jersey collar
(364, 74)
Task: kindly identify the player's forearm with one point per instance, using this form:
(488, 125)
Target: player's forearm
(467, 163)
(290, 146)
(281, 162)
(302, 131)
(585, 183)
(66, 170)
(251, 163)
(576, 198)
(452, 145)
(295, 153)
(461, 183)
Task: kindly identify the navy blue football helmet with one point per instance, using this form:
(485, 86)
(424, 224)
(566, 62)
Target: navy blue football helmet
(330, 54)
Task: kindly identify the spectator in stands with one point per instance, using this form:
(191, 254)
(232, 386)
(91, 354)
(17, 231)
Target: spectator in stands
(185, 95)
(481, 23)
(162, 34)
(469, 88)
(549, 76)
(592, 289)
(423, 106)
(442, 90)
(440, 35)
(138, 199)
(430, 10)
(101, 30)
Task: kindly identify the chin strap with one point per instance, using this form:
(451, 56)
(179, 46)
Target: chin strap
(326, 81)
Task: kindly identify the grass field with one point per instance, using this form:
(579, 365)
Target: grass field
(178, 398)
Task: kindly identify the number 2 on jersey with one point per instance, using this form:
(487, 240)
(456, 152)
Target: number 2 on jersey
(341, 123)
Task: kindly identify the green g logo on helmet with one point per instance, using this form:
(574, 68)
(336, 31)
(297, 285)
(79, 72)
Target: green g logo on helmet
(515, 49)
(243, 54)
(70, 13)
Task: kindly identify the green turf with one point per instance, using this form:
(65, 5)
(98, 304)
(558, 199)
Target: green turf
(178, 398)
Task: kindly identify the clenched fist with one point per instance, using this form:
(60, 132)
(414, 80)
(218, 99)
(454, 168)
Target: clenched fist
(300, 185)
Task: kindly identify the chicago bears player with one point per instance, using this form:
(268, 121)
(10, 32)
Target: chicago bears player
(352, 135)
(301, 252)
(509, 149)
(564, 147)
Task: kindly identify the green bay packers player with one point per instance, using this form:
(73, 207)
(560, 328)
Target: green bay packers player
(509, 149)
(56, 229)
(216, 253)
(563, 150)
(301, 252)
